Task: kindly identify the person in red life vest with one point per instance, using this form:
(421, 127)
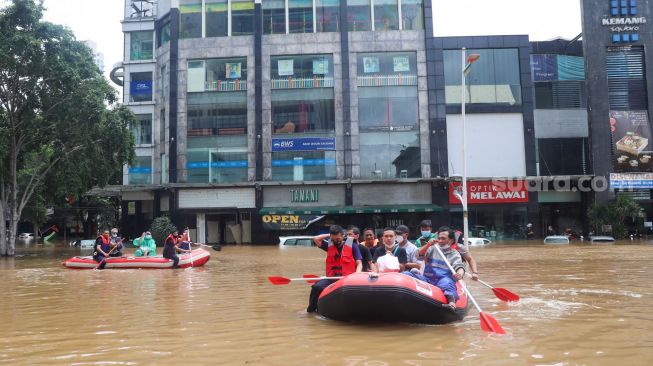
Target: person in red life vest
(170, 248)
(343, 258)
(102, 247)
(463, 249)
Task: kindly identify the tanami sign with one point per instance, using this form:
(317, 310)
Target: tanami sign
(499, 191)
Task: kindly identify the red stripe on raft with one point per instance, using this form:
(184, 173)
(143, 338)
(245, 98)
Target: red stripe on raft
(199, 258)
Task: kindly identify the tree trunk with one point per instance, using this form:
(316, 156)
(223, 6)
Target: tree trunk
(35, 227)
(3, 231)
(11, 240)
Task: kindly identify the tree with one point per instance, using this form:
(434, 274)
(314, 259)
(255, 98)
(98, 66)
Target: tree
(615, 214)
(161, 227)
(56, 128)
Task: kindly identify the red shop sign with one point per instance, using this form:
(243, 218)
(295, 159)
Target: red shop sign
(497, 191)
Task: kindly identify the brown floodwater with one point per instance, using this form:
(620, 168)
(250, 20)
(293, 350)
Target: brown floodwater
(581, 305)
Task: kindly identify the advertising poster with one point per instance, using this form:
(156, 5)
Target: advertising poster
(233, 70)
(304, 144)
(370, 64)
(544, 67)
(320, 66)
(401, 63)
(631, 180)
(631, 141)
(285, 67)
(289, 222)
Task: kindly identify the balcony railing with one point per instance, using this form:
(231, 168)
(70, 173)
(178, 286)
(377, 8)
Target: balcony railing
(387, 80)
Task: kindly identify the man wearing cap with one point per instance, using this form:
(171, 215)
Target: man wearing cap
(411, 250)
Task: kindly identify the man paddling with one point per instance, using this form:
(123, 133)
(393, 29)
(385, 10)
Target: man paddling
(170, 248)
(343, 258)
(103, 249)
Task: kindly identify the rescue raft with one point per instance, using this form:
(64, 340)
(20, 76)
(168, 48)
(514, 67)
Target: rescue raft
(389, 297)
(199, 258)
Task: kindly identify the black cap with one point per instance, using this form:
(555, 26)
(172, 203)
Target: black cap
(402, 229)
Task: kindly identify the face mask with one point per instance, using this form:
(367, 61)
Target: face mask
(426, 233)
(148, 236)
(389, 247)
(114, 235)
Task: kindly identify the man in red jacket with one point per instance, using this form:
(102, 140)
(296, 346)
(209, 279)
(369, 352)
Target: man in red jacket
(343, 258)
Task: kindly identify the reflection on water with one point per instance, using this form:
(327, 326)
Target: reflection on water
(581, 305)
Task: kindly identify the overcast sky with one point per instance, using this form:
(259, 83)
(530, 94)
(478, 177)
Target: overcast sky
(99, 20)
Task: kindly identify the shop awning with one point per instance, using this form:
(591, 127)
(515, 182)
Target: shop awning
(348, 210)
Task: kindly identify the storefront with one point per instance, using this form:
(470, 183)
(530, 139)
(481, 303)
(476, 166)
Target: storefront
(497, 208)
(311, 209)
(221, 215)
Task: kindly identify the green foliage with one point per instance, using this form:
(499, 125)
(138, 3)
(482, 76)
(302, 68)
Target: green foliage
(162, 227)
(58, 133)
(616, 214)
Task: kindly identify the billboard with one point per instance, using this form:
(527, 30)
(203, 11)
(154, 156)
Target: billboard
(631, 141)
(289, 222)
(304, 144)
(491, 191)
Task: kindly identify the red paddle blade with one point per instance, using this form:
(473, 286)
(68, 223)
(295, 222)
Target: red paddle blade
(311, 276)
(489, 324)
(505, 295)
(276, 280)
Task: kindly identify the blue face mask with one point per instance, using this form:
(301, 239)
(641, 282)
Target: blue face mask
(426, 233)
(148, 237)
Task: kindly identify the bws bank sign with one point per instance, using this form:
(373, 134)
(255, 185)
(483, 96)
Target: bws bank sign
(624, 21)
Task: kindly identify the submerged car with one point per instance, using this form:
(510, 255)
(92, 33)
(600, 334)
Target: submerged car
(26, 236)
(602, 239)
(478, 242)
(556, 239)
(295, 241)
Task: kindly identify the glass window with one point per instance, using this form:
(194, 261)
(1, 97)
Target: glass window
(217, 15)
(386, 15)
(225, 74)
(412, 17)
(212, 114)
(217, 159)
(493, 79)
(142, 129)
(560, 95)
(328, 14)
(386, 155)
(142, 45)
(563, 156)
(393, 108)
(274, 16)
(300, 16)
(626, 79)
(359, 15)
(165, 83)
(164, 34)
(302, 67)
(303, 165)
(162, 127)
(242, 17)
(301, 111)
(190, 18)
(140, 87)
(387, 68)
(140, 172)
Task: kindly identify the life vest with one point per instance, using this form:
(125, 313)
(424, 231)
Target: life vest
(340, 264)
(170, 238)
(106, 244)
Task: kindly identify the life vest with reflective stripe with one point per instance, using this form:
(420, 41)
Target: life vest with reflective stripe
(340, 264)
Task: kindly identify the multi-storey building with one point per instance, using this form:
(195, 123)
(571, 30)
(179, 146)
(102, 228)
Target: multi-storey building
(258, 118)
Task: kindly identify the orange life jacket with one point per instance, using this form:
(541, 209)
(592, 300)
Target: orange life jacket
(340, 264)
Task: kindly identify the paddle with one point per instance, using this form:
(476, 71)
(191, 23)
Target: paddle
(501, 293)
(216, 247)
(277, 280)
(488, 323)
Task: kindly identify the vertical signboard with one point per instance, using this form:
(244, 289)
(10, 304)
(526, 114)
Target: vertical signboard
(631, 141)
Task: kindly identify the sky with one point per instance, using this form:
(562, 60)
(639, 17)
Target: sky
(99, 20)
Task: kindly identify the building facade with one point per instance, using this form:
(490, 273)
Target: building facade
(259, 119)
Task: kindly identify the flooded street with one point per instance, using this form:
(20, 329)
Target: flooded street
(581, 305)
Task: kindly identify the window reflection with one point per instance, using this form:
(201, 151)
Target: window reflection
(494, 78)
(190, 18)
(142, 129)
(386, 155)
(386, 15)
(359, 17)
(140, 172)
(274, 16)
(300, 16)
(327, 13)
(216, 18)
(242, 17)
(303, 165)
(412, 17)
(141, 45)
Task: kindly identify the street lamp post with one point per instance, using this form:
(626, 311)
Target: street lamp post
(466, 65)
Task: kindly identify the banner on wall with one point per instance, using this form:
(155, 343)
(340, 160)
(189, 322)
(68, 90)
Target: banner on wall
(289, 222)
(140, 87)
(631, 141)
(557, 68)
(491, 191)
(304, 144)
(631, 180)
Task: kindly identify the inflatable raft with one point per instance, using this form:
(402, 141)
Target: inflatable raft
(389, 297)
(199, 258)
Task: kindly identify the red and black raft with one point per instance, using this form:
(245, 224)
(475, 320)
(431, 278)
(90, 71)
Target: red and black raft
(389, 297)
